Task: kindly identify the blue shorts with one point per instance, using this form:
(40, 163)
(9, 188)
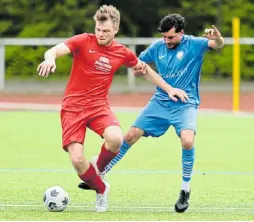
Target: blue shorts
(155, 119)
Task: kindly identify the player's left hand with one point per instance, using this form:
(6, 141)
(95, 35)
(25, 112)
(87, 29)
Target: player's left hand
(176, 93)
(212, 34)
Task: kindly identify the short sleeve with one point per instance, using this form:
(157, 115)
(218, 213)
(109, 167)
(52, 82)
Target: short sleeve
(200, 44)
(147, 55)
(130, 59)
(75, 42)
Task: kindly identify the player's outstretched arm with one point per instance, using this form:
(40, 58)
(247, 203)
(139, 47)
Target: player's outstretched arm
(144, 70)
(216, 41)
(49, 64)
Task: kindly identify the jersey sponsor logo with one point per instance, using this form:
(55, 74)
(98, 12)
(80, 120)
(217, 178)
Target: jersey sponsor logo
(103, 64)
(180, 54)
(178, 73)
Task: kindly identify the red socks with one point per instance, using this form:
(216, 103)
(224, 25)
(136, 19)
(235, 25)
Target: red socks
(93, 180)
(104, 158)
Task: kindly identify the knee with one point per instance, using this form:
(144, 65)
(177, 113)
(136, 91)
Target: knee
(187, 139)
(113, 138)
(133, 135)
(77, 160)
(187, 143)
(76, 154)
(115, 142)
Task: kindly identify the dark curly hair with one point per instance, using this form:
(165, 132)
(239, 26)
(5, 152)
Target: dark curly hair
(170, 21)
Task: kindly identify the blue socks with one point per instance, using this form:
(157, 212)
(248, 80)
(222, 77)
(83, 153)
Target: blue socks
(124, 148)
(188, 157)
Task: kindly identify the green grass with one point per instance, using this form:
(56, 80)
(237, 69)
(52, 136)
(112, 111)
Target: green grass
(145, 184)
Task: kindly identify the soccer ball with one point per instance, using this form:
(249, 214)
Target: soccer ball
(55, 199)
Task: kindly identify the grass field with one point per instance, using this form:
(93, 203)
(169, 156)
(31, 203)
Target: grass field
(145, 185)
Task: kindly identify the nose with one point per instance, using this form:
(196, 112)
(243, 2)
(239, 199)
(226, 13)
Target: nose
(167, 40)
(100, 34)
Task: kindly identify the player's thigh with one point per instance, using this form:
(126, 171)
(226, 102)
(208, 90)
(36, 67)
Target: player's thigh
(107, 126)
(153, 119)
(105, 119)
(185, 119)
(73, 127)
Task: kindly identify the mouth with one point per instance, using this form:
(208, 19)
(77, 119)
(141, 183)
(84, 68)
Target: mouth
(171, 46)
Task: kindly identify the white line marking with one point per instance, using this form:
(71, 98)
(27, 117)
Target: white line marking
(122, 220)
(156, 172)
(137, 208)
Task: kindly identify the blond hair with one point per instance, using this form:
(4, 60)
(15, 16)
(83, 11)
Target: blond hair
(108, 12)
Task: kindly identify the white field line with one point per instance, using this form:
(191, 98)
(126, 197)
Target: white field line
(131, 172)
(121, 221)
(137, 208)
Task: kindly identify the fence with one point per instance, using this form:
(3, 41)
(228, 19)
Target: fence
(130, 42)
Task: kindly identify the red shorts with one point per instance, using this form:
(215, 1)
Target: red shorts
(75, 121)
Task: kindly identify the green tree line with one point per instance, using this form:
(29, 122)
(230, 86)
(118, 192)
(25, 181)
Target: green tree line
(139, 18)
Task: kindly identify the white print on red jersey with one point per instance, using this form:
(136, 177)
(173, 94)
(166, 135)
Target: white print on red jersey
(103, 64)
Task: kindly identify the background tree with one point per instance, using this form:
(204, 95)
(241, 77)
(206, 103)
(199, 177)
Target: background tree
(139, 18)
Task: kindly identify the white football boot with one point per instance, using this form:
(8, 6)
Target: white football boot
(102, 199)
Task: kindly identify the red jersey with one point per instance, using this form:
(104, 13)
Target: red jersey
(93, 69)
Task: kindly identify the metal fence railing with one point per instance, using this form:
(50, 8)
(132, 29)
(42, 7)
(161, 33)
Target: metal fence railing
(130, 42)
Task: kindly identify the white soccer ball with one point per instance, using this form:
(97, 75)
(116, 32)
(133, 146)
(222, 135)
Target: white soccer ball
(56, 199)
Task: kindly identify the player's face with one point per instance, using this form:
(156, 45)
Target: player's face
(172, 38)
(105, 32)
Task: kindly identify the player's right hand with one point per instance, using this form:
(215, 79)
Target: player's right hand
(46, 67)
(175, 93)
(140, 69)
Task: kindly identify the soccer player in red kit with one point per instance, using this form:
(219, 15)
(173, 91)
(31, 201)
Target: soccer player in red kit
(96, 57)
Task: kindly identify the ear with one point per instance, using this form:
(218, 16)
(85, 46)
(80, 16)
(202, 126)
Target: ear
(182, 32)
(116, 31)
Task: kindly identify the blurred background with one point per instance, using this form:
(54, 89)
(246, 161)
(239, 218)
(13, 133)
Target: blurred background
(29, 27)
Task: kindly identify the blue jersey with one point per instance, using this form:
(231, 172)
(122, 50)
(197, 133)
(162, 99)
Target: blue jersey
(179, 67)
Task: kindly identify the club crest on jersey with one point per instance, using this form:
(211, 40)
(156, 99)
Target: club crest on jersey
(180, 54)
(104, 60)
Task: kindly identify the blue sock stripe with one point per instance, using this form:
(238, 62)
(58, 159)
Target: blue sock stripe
(122, 152)
(124, 148)
(187, 168)
(188, 157)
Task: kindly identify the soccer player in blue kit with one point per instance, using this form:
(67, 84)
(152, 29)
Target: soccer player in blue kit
(178, 59)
